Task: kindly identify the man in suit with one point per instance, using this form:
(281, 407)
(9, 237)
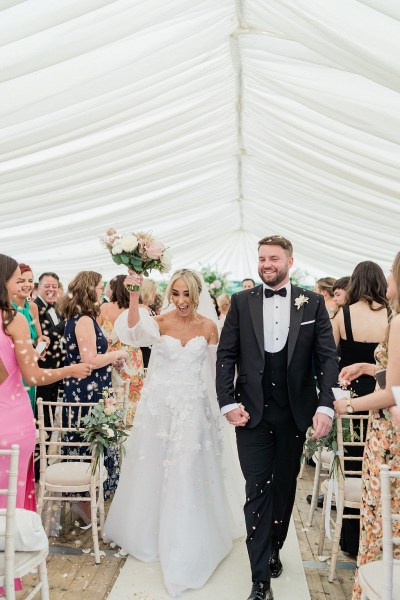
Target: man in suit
(273, 334)
(52, 325)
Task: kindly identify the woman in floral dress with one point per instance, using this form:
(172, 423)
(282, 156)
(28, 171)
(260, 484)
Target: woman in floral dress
(133, 370)
(383, 439)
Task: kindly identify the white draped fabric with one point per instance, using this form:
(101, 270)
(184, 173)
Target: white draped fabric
(212, 123)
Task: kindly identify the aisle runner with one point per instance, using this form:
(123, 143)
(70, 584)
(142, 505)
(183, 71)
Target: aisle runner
(231, 580)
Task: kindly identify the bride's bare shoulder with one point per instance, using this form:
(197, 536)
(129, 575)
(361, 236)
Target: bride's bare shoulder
(210, 329)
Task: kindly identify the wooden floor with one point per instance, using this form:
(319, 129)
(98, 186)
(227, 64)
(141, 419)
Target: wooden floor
(73, 574)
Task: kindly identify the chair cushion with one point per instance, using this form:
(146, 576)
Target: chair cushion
(352, 489)
(29, 533)
(371, 578)
(67, 474)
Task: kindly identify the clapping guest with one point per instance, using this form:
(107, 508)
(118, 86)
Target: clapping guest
(339, 289)
(358, 328)
(383, 438)
(85, 342)
(324, 286)
(30, 311)
(133, 370)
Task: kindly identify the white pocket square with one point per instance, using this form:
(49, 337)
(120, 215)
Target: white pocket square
(308, 322)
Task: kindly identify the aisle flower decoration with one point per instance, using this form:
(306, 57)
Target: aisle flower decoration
(104, 426)
(139, 251)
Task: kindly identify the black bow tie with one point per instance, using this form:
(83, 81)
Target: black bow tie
(269, 293)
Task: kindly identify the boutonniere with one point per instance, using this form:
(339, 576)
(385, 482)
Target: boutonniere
(300, 300)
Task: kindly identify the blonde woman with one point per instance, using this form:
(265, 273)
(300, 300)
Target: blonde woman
(172, 477)
(324, 286)
(223, 303)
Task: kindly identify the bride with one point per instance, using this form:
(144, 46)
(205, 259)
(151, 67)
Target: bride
(179, 498)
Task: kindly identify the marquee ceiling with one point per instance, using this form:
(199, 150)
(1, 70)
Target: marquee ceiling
(210, 123)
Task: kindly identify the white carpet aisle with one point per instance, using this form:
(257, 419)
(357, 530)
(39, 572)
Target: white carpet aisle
(231, 580)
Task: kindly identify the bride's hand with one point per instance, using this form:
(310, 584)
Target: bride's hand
(133, 279)
(238, 416)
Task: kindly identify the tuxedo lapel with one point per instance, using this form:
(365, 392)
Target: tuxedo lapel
(296, 316)
(256, 313)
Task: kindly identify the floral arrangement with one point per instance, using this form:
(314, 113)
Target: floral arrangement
(139, 251)
(300, 300)
(217, 283)
(104, 425)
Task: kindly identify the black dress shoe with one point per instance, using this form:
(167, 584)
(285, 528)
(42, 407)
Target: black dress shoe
(320, 502)
(275, 564)
(261, 591)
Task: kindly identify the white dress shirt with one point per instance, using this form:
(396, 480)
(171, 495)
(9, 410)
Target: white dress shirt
(276, 319)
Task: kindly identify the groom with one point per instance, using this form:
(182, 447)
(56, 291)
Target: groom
(274, 334)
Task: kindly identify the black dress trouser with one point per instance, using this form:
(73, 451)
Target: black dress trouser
(269, 456)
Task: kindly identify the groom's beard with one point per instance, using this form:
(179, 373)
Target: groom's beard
(273, 279)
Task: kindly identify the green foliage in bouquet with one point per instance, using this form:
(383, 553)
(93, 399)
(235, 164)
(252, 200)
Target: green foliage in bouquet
(104, 426)
(216, 282)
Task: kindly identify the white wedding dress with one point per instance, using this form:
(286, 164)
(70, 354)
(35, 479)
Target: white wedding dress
(181, 491)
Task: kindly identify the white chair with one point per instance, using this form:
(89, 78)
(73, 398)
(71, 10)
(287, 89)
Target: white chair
(14, 563)
(71, 474)
(380, 579)
(323, 460)
(348, 489)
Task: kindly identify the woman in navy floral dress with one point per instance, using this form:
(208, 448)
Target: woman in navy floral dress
(85, 342)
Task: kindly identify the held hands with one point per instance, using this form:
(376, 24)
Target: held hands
(321, 424)
(238, 416)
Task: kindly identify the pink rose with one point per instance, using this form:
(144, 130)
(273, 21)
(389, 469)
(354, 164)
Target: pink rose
(216, 284)
(154, 249)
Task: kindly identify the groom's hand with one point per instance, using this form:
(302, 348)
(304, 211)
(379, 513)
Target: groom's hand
(238, 416)
(321, 424)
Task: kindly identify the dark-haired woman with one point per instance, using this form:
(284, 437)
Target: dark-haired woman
(133, 369)
(358, 328)
(18, 359)
(84, 341)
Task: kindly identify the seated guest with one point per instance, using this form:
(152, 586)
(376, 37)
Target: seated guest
(324, 287)
(84, 341)
(339, 291)
(30, 311)
(52, 325)
(248, 283)
(382, 446)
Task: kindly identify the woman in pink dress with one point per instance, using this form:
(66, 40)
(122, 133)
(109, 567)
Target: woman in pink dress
(18, 359)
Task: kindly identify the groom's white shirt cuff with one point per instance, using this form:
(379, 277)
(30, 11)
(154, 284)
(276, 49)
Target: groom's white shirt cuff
(322, 409)
(326, 411)
(228, 408)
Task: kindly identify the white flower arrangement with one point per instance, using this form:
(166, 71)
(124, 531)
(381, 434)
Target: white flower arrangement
(300, 300)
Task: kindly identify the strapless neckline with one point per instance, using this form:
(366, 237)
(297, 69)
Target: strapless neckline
(196, 337)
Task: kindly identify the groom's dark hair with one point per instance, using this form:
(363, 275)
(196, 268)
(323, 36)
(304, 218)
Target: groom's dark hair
(277, 240)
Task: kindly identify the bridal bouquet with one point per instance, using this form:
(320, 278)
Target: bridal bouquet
(139, 251)
(104, 426)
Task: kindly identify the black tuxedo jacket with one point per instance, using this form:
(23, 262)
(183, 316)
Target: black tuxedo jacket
(310, 341)
(54, 354)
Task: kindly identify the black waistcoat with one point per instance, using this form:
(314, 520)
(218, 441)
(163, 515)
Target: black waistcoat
(275, 376)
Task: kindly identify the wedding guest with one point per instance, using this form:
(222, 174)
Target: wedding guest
(223, 302)
(272, 335)
(34, 293)
(173, 477)
(339, 291)
(248, 283)
(133, 370)
(157, 304)
(52, 325)
(84, 341)
(30, 311)
(148, 293)
(383, 438)
(106, 293)
(358, 328)
(324, 287)
(18, 359)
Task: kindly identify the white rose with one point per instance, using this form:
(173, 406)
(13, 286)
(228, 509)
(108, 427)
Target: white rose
(109, 432)
(129, 243)
(117, 248)
(166, 260)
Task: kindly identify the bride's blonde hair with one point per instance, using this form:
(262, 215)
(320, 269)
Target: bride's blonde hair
(193, 282)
